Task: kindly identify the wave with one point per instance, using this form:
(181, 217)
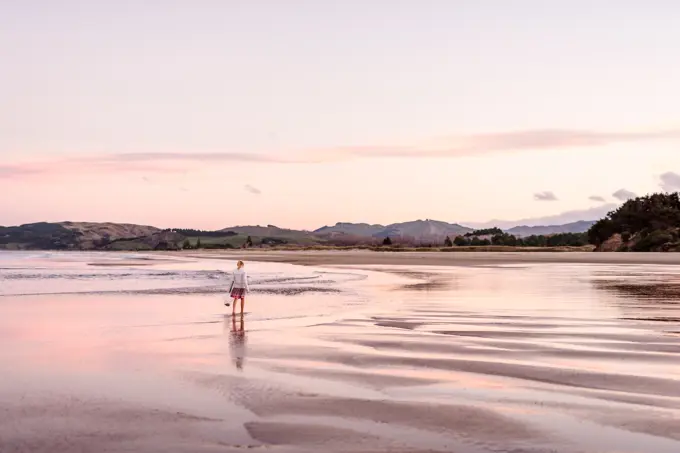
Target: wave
(74, 276)
(283, 291)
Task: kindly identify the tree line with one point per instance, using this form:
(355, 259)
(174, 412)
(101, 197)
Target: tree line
(210, 234)
(506, 239)
(649, 223)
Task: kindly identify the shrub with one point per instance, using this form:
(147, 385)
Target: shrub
(460, 241)
(644, 215)
(485, 232)
(653, 241)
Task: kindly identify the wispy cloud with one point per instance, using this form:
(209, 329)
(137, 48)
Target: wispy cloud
(597, 198)
(545, 196)
(670, 181)
(74, 165)
(624, 194)
(448, 147)
(253, 190)
(453, 146)
(12, 171)
(509, 141)
(187, 156)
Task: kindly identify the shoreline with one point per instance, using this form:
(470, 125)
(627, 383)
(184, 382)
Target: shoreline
(402, 360)
(468, 259)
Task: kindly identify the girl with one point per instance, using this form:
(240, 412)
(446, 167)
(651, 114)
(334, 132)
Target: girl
(239, 287)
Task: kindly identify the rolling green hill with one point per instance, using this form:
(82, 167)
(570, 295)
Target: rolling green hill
(119, 237)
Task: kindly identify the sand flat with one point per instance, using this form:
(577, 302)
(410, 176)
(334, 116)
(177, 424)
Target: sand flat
(514, 358)
(453, 258)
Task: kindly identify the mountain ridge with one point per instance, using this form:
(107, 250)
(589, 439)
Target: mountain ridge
(427, 229)
(127, 236)
(580, 226)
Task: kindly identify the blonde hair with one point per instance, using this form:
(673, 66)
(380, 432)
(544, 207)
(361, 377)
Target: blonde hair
(240, 264)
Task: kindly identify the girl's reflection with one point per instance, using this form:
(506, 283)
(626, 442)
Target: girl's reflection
(237, 341)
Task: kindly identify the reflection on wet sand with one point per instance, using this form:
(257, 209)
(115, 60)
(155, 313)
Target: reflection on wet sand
(531, 359)
(645, 297)
(542, 358)
(664, 292)
(237, 339)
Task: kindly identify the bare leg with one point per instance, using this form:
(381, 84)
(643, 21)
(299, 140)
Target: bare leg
(233, 307)
(243, 302)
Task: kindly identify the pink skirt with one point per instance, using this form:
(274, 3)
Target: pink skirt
(238, 293)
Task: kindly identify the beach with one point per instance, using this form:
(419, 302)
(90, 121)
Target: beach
(341, 352)
(437, 258)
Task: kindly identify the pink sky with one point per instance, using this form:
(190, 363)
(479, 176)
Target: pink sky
(302, 114)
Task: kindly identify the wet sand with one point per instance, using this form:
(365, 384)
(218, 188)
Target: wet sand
(366, 257)
(531, 358)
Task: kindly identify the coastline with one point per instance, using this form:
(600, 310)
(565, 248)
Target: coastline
(365, 257)
(467, 357)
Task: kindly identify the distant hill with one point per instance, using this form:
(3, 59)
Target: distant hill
(424, 230)
(86, 236)
(119, 236)
(257, 230)
(545, 230)
(92, 232)
(273, 235)
(41, 236)
(419, 230)
(352, 229)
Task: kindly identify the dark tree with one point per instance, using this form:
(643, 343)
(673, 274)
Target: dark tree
(105, 240)
(186, 244)
(567, 239)
(656, 215)
(504, 239)
(461, 241)
(387, 241)
(480, 242)
(249, 242)
(448, 242)
(602, 230)
(534, 241)
(212, 234)
(485, 232)
(198, 243)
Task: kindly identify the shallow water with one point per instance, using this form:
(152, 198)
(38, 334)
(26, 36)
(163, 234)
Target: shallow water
(514, 358)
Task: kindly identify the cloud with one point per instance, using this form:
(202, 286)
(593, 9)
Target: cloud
(670, 181)
(597, 198)
(545, 196)
(186, 156)
(12, 171)
(624, 195)
(447, 147)
(253, 190)
(594, 213)
(79, 165)
(508, 141)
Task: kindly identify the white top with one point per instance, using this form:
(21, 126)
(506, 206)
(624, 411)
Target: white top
(240, 278)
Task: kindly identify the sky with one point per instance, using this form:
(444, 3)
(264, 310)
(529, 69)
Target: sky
(304, 113)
